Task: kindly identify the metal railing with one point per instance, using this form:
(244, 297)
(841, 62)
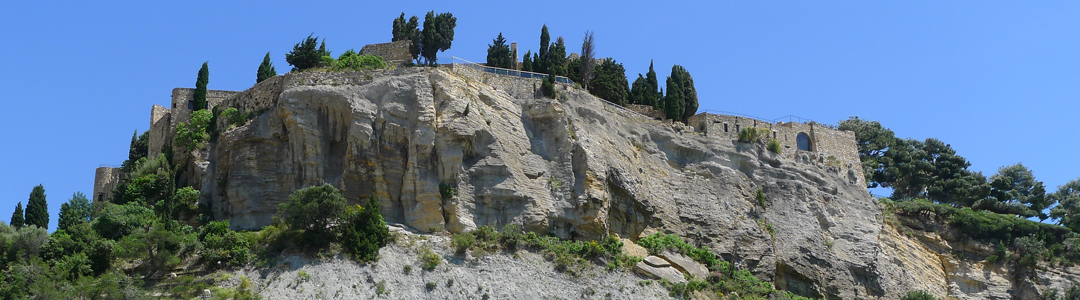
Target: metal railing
(508, 72)
(788, 118)
(109, 166)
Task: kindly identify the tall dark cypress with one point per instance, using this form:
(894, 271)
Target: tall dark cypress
(17, 217)
(200, 88)
(37, 210)
(653, 86)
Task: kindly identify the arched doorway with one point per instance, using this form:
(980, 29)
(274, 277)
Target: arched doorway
(804, 142)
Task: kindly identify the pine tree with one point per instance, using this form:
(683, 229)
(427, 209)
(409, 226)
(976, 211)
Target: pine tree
(438, 35)
(200, 91)
(37, 210)
(304, 55)
(498, 54)
(17, 217)
(266, 69)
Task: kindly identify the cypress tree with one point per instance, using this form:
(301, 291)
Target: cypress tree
(527, 62)
(37, 210)
(557, 57)
(541, 63)
(689, 99)
(17, 217)
(673, 102)
(266, 69)
(200, 90)
(653, 98)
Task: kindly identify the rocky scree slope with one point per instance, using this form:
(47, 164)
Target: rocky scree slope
(443, 150)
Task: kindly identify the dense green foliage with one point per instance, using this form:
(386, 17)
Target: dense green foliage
(37, 209)
(498, 53)
(313, 210)
(364, 231)
(609, 82)
(438, 35)
(140, 146)
(557, 58)
(773, 145)
(681, 100)
(266, 69)
(527, 61)
(76, 211)
(547, 86)
(18, 216)
(199, 100)
(193, 135)
(305, 55)
(353, 61)
(223, 246)
(1067, 212)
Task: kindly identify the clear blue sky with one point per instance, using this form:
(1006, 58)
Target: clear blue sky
(997, 80)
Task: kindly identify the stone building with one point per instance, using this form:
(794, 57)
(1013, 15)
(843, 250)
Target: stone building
(800, 141)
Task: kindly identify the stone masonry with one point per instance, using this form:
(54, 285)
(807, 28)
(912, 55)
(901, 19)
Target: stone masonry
(835, 148)
(392, 52)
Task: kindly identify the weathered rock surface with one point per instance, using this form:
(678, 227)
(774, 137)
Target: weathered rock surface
(442, 150)
(686, 265)
(658, 268)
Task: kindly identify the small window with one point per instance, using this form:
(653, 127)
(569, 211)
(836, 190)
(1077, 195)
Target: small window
(804, 142)
(191, 105)
(737, 127)
(774, 134)
(725, 127)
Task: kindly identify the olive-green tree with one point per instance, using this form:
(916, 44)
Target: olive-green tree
(37, 209)
(199, 100)
(314, 210)
(498, 53)
(266, 69)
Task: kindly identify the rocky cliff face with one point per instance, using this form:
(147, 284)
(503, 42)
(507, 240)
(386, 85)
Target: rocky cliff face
(578, 168)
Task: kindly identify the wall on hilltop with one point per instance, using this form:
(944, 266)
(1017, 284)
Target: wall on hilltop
(834, 148)
(392, 52)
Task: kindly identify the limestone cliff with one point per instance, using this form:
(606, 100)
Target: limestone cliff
(577, 167)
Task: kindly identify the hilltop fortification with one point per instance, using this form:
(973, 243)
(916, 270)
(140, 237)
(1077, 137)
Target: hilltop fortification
(455, 148)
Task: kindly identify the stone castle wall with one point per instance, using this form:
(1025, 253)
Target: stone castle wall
(832, 147)
(181, 96)
(160, 122)
(517, 87)
(392, 52)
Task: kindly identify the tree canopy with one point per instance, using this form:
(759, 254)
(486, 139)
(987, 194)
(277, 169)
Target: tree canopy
(410, 31)
(266, 69)
(498, 53)
(609, 82)
(307, 53)
(75, 211)
(438, 35)
(17, 218)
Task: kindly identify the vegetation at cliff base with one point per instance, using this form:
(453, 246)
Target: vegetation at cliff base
(569, 256)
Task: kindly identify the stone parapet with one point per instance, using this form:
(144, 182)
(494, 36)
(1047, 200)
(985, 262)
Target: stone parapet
(160, 122)
(392, 52)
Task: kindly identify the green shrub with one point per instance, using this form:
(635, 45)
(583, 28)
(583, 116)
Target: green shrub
(747, 135)
(116, 221)
(429, 258)
(447, 191)
(234, 117)
(658, 242)
(547, 87)
(314, 210)
(365, 232)
(193, 135)
(222, 246)
(462, 242)
(352, 61)
(773, 146)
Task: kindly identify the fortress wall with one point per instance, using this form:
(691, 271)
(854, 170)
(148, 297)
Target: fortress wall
(260, 97)
(829, 146)
(160, 120)
(181, 97)
(517, 87)
(392, 52)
